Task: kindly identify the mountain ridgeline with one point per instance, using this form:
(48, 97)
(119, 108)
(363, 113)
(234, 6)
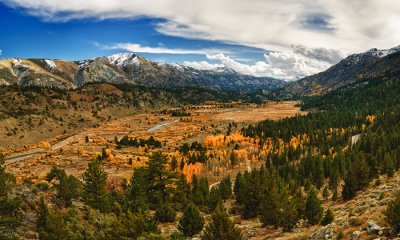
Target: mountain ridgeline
(126, 68)
(373, 63)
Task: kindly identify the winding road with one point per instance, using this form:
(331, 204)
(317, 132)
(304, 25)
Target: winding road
(37, 151)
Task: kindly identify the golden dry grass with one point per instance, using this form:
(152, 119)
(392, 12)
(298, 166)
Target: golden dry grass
(272, 111)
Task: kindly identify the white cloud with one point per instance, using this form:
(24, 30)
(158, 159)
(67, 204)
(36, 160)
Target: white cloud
(202, 65)
(283, 65)
(332, 56)
(292, 66)
(305, 36)
(137, 48)
(352, 26)
(1, 51)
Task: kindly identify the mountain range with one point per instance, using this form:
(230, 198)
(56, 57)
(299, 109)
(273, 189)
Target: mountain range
(129, 68)
(373, 63)
(126, 68)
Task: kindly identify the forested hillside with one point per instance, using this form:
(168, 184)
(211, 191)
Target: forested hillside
(305, 160)
(316, 152)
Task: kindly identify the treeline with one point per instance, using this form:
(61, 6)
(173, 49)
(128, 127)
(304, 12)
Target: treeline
(326, 159)
(277, 202)
(134, 142)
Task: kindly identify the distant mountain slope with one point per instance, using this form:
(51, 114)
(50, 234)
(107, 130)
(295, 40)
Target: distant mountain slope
(125, 68)
(357, 66)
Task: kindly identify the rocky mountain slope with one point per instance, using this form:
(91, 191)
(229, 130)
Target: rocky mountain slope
(125, 68)
(372, 63)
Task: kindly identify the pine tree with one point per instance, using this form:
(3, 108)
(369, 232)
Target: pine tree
(221, 227)
(288, 217)
(361, 171)
(136, 194)
(349, 190)
(129, 226)
(54, 227)
(313, 209)
(389, 166)
(325, 192)
(238, 188)
(95, 194)
(174, 164)
(42, 215)
(214, 199)
(68, 187)
(197, 195)
(327, 218)
(269, 210)
(233, 159)
(251, 198)
(357, 176)
(183, 192)
(165, 213)
(225, 188)
(204, 188)
(9, 207)
(159, 178)
(191, 222)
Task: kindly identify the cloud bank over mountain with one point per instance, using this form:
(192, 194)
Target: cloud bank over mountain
(300, 37)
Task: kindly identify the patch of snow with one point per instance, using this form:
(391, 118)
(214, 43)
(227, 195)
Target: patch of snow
(121, 59)
(18, 62)
(384, 52)
(83, 64)
(177, 66)
(50, 63)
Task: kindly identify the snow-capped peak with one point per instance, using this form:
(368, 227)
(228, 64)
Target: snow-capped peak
(384, 52)
(224, 69)
(50, 63)
(16, 61)
(120, 59)
(178, 67)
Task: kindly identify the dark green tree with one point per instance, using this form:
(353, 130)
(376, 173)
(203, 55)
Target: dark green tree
(251, 198)
(325, 192)
(183, 192)
(10, 217)
(214, 199)
(233, 159)
(165, 213)
(225, 188)
(313, 208)
(269, 207)
(94, 187)
(221, 227)
(290, 208)
(327, 218)
(174, 164)
(191, 222)
(52, 225)
(136, 194)
(68, 187)
(159, 179)
(238, 188)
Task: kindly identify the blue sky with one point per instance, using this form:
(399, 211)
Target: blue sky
(286, 39)
(26, 36)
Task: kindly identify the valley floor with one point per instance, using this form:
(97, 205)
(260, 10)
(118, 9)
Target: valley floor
(72, 153)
